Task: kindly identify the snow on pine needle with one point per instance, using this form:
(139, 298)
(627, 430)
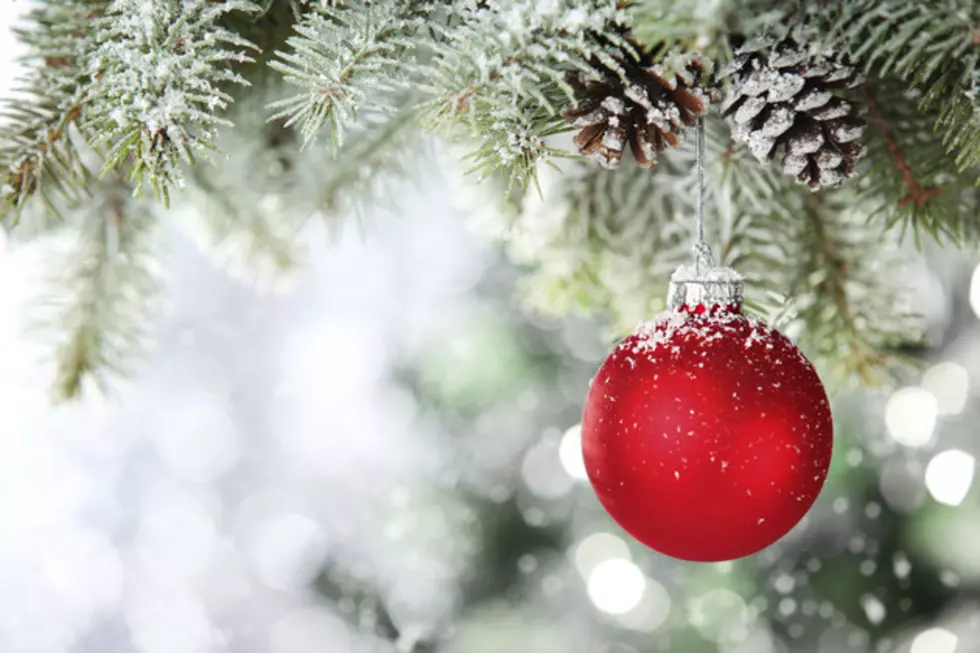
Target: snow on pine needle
(161, 66)
(98, 300)
(37, 153)
(499, 69)
(346, 60)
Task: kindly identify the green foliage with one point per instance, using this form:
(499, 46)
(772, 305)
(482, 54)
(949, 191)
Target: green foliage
(246, 211)
(707, 27)
(161, 68)
(597, 238)
(99, 289)
(610, 240)
(371, 167)
(37, 151)
(346, 59)
(908, 161)
(498, 69)
(932, 46)
(808, 269)
(151, 86)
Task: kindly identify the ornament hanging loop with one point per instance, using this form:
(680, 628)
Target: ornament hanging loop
(704, 287)
(702, 251)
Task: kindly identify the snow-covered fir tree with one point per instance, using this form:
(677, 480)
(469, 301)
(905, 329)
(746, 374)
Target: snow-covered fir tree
(841, 136)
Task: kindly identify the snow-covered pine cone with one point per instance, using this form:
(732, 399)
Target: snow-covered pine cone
(781, 97)
(648, 106)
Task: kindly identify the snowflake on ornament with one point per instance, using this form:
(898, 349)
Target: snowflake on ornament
(741, 434)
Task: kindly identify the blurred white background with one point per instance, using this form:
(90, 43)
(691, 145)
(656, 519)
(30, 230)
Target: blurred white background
(271, 440)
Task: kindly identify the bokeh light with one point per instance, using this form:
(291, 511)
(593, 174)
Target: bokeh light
(719, 615)
(543, 471)
(616, 586)
(910, 416)
(596, 549)
(949, 383)
(873, 608)
(652, 610)
(975, 291)
(935, 640)
(949, 476)
(570, 453)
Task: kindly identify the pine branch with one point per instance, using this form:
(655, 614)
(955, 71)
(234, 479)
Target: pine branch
(601, 240)
(161, 68)
(36, 148)
(932, 46)
(912, 182)
(605, 240)
(346, 59)
(372, 166)
(703, 27)
(498, 69)
(247, 210)
(842, 303)
(100, 290)
(866, 324)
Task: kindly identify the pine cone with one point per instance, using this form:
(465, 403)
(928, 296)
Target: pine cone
(644, 103)
(782, 96)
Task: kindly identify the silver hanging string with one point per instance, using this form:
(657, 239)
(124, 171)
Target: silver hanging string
(711, 286)
(702, 252)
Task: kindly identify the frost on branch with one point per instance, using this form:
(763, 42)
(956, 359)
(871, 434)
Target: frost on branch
(161, 69)
(499, 71)
(37, 153)
(594, 239)
(100, 286)
(346, 60)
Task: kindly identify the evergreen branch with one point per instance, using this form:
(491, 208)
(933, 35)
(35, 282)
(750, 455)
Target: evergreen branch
(932, 46)
(346, 59)
(917, 193)
(708, 28)
(246, 211)
(499, 69)
(959, 121)
(514, 135)
(36, 149)
(842, 304)
(911, 180)
(600, 240)
(101, 289)
(375, 161)
(829, 259)
(253, 239)
(604, 240)
(161, 67)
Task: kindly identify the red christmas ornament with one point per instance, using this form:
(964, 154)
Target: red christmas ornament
(707, 435)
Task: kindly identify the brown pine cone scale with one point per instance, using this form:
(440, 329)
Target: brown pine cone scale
(643, 104)
(783, 99)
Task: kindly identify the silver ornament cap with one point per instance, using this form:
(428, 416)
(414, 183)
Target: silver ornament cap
(694, 286)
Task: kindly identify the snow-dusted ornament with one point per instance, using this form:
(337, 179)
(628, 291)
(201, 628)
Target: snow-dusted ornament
(707, 435)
